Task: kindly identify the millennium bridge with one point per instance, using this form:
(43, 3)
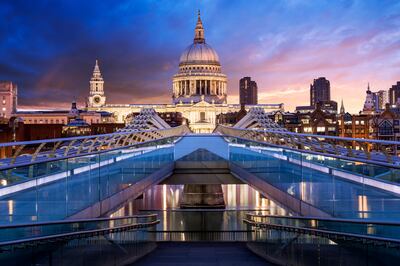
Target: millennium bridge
(82, 200)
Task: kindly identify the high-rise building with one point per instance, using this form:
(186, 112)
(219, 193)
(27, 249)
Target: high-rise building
(248, 91)
(97, 97)
(394, 93)
(320, 91)
(380, 99)
(8, 99)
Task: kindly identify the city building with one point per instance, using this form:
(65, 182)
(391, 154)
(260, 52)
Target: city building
(96, 97)
(369, 104)
(76, 126)
(387, 124)
(62, 117)
(173, 119)
(199, 90)
(231, 118)
(320, 94)
(8, 98)
(394, 93)
(342, 110)
(304, 109)
(199, 77)
(354, 126)
(317, 121)
(320, 91)
(380, 98)
(326, 106)
(248, 91)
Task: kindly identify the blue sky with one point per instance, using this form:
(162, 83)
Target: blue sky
(49, 47)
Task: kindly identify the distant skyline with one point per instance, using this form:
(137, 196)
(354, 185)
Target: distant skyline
(49, 47)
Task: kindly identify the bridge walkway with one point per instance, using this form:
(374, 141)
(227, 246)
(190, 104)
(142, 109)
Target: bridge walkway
(201, 253)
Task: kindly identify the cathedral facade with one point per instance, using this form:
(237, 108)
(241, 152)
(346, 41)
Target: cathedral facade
(199, 89)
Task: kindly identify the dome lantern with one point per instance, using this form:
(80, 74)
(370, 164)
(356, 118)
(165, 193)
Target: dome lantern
(199, 31)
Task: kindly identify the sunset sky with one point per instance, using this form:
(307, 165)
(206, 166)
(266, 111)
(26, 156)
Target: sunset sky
(49, 47)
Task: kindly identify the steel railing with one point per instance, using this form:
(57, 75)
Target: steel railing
(364, 150)
(30, 152)
(20, 235)
(374, 232)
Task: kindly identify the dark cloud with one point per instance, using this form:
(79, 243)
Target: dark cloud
(49, 47)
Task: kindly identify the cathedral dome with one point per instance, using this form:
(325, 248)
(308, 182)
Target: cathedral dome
(199, 77)
(199, 53)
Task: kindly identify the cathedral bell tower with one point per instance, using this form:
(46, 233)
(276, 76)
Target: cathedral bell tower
(96, 97)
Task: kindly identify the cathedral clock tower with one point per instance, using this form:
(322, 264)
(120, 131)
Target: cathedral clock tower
(96, 96)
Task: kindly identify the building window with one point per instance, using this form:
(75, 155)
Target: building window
(320, 129)
(202, 116)
(385, 128)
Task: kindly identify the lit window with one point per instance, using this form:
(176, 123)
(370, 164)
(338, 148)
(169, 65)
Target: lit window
(4, 109)
(320, 129)
(307, 129)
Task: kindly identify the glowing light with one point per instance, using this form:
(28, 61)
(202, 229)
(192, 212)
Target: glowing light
(257, 200)
(363, 206)
(303, 191)
(313, 223)
(10, 207)
(164, 197)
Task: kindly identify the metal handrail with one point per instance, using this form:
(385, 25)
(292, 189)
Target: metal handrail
(32, 142)
(80, 234)
(84, 145)
(358, 221)
(321, 232)
(77, 221)
(350, 154)
(353, 159)
(385, 142)
(53, 159)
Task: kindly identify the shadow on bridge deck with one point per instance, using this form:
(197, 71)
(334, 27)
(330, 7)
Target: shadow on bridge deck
(213, 254)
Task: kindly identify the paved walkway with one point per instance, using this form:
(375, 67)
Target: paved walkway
(191, 254)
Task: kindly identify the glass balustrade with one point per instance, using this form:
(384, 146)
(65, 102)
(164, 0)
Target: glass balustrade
(57, 189)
